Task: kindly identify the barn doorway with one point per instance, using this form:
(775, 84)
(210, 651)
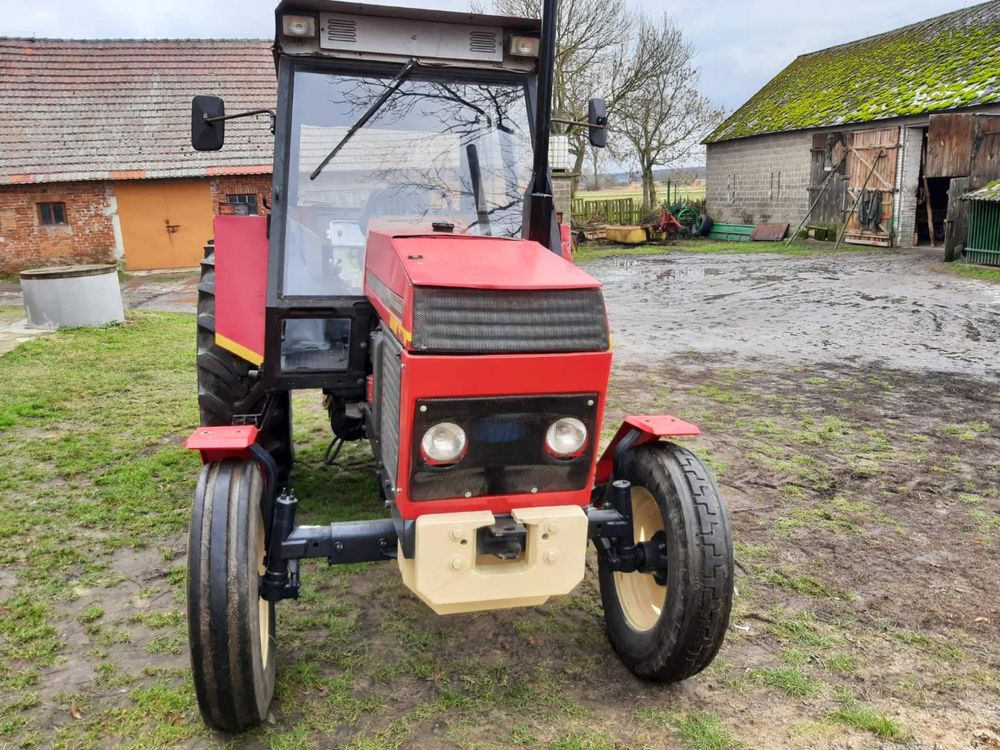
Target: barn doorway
(931, 204)
(827, 178)
(165, 223)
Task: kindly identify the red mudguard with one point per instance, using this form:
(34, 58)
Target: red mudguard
(651, 428)
(241, 285)
(218, 443)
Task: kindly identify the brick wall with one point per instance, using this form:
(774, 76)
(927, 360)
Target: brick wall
(89, 233)
(562, 194)
(742, 185)
(257, 184)
(760, 179)
(908, 178)
(87, 237)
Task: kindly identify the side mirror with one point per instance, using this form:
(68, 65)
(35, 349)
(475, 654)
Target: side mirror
(597, 120)
(208, 129)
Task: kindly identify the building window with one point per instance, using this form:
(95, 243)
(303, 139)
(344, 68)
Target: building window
(245, 204)
(51, 214)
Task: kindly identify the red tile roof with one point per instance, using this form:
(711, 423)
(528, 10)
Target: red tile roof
(121, 108)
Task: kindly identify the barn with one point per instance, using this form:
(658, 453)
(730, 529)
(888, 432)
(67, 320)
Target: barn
(884, 133)
(95, 157)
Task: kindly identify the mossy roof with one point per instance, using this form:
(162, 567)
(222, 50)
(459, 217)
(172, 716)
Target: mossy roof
(943, 63)
(990, 192)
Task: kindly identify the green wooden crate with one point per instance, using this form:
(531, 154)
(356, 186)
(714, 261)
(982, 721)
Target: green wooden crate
(731, 232)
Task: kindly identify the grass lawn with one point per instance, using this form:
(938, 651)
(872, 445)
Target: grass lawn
(797, 247)
(971, 271)
(865, 511)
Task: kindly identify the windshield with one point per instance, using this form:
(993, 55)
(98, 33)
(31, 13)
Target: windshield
(441, 148)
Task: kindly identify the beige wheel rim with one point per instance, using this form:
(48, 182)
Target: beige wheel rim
(263, 606)
(641, 598)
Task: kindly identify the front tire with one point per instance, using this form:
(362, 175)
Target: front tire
(669, 626)
(230, 628)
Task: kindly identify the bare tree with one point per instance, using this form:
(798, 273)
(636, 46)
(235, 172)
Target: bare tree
(661, 119)
(594, 57)
(598, 157)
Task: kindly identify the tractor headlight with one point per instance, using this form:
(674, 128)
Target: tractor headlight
(566, 437)
(300, 26)
(443, 443)
(524, 46)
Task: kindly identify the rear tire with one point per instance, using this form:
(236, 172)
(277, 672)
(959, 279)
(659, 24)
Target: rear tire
(670, 626)
(228, 386)
(230, 628)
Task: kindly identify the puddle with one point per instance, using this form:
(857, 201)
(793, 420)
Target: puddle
(893, 310)
(687, 274)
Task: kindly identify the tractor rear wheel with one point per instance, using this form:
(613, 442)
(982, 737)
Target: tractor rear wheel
(230, 627)
(228, 386)
(669, 625)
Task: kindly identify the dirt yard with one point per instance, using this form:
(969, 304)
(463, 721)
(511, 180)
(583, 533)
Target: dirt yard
(895, 310)
(851, 411)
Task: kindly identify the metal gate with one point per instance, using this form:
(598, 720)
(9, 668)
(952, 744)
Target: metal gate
(164, 222)
(871, 186)
(982, 241)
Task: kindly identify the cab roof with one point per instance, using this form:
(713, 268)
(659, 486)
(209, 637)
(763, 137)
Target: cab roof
(510, 23)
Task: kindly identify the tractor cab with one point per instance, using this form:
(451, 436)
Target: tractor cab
(416, 120)
(429, 125)
(411, 271)
(391, 119)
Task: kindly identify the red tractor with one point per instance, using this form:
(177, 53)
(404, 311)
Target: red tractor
(411, 269)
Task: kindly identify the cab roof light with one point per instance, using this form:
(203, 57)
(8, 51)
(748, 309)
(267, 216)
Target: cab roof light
(298, 26)
(524, 46)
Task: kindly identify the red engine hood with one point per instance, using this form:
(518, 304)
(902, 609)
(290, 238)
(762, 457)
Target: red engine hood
(398, 260)
(473, 261)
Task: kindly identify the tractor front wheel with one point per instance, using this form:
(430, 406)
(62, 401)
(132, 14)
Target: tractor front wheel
(669, 625)
(230, 627)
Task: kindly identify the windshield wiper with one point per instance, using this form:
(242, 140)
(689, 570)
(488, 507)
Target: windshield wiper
(369, 113)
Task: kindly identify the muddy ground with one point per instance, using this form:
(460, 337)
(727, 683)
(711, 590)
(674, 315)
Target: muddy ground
(172, 291)
(889, 309)
(862, 472)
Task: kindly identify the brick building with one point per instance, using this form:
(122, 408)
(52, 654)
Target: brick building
(877, 122)
(95, 156)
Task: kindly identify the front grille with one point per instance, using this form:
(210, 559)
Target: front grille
(505, 453)
(490, 321)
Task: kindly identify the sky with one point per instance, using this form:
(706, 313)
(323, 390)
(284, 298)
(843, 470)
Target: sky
(741, 44)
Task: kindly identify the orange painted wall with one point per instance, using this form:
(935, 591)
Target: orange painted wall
(164, 223)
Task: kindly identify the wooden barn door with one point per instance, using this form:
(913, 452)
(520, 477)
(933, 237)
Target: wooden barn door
(871, 167)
